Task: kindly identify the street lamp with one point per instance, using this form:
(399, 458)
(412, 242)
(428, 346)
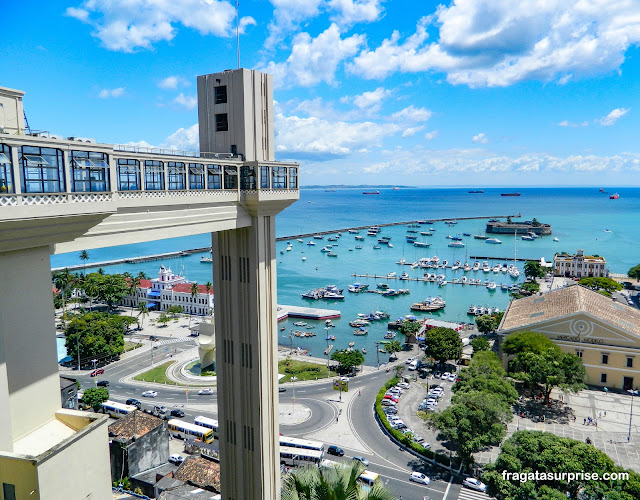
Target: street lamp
(377, 354)
(293, 389)
(633, 393)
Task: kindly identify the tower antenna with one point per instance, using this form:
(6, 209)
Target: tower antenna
(238, 33)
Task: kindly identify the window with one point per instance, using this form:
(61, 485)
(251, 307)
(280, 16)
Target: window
(221, 94)
(8, 491)
(177, 176)
(605, 359)
(603, 378)
(42, 170)
(89, 171)
(579, 353)
(6, 172)
(230, 177)
(214, 177)
(248, 178)
(153, 175)
(278, 177)
(196, 176)
(293, 178)
(129, 175)
(221, 122)
(629, 362)
(264, 177)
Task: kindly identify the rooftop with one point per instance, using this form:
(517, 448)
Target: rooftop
(200, 472)
(569, 300)
(186, 288)
(136, 424)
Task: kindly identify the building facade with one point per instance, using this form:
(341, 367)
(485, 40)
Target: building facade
(580, 266)
(67, 195)
(604, 333)
(169, 290)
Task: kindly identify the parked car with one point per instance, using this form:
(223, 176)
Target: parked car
(205, 392)
(403, 385)
(391, 397)
(418, 439)
(410, 360)
(419, 477)
(97, 372)
(134, 402)
(390, 410)
(177, 413)
(474, 484)
(335, 450)
(160, 409)
(153, 337)
(387, 402)
(103, 383)
(176, 459)
(282, 388)
(149, 394)
(362, 460)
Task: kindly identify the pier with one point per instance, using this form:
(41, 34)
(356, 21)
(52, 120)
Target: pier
(487, 277)
(305, 312)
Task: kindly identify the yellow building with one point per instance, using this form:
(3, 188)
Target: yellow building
(604, 333)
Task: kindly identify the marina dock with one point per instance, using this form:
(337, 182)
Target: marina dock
(489, 277)
(285, 312)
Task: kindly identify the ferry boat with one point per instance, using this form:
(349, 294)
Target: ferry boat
(480, 236)
(206, 260)
(357, 287)
(614, 196)
(493, 241)
(509, 194)
(429, 304)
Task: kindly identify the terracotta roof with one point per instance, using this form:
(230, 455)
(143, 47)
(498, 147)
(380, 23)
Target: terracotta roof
(135, 423)
(186, 288)
(569, 300)
(199, 472)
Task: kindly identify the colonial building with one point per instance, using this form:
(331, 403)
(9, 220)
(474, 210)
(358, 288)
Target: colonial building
(170, 289)
(580, 266)
(604, 333)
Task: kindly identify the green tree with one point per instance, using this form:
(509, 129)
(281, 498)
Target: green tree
(84, 257)
(486, 323)
(173, 311)
(330, 483)
(347, 359)
(143, 276)
(480, 344)
(606, 285)
(163, 319)
(95, 396)
(443, 344)
(533, 269)
(530, 451)
(97, 336)
(393, 346)
(134, 286)
(63, 280)
(409, 326)
(527, 342)
(474, 420)
(634, 272)
(549, 369)
(143, 312)
(108, 288)
(480, 378)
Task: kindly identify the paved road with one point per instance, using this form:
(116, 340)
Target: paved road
(391, 462)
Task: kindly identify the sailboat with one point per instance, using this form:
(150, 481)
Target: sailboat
(513, 270)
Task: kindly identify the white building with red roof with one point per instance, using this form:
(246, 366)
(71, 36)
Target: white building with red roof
(170, 289)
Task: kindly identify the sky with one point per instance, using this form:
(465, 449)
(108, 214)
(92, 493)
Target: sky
(412, 92)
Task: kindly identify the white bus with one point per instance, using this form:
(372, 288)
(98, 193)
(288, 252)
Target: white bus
(207, 422)
(117, 410)
(300, 456)
(182, 430)
(305, 444)
(368, 479)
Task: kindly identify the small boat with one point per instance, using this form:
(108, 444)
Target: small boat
(283, 328)
(479, 236)
(614, 196)
(332, 254)
(491, 286)
(493, 241)
(206, 260)
(456, 244)
(351, 344)
(377, 247)
(359, 238)
(509, 194)
(326, 249)
(304, 258)
(466, 234)
(353, 231)
(390, 335)
(607, 230)
(383, 286)
(371, 192)
(476, 191)
(421, 244)
(360, 331)
(451, 222)
(333, 238)
(555, 238)
(318, 237)
(381, 350)
(311, 244)
(300, 323)
(357, 287)
(364, 350)
(426, 233)
(328, 349)
(289, 247)
(526, 237)
(300, 240)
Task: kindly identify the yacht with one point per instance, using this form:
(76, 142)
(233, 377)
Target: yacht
(326, 249)
(513, 272)
(402, 261)
(456, 244)
(493, 241)
(318, 237)
(405, 276)
(359, 238)
(311, 244)
(466, 268)
(300, 240)
(476, 266)
(527, 237)
(471, 310)
(504, 287)
(485, 267)
(391, 275)
(456, 266)
(421, 244)
(353, 231)
(333, 296)
(491, 286)
(555, 238)
(206, 260)
(496, 268)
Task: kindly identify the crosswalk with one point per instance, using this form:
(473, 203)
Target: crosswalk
(172, 341)
(467, 494)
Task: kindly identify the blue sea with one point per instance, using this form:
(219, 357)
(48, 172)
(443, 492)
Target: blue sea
(579, 217)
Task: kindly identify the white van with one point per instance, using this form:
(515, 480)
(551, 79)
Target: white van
(413, 365)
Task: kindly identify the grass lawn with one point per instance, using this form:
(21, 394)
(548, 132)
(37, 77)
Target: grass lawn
(130, 346)
(156, 374)
(301, 369)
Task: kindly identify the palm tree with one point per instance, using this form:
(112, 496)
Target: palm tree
(143, 311)
(143, 276)
(62, 282)
(194, 293)
(333, 483)
(208, 286)
(134, 286)
(84, 257)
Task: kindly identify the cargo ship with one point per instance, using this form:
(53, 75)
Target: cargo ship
(371, 192)
(509, 194)
(476, 191)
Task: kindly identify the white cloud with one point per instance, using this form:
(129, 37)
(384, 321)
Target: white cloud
(499, 42)
(412, 114)
(314, 60)
(429, 136)
(106, 93)
(287, 15)
(567, 123)
(411, 131)
(184, 139)
(188, 101)
(173, 82)
(481, 138)
(127, 25)
(613, 116)
(354, 11)
(370, 101)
